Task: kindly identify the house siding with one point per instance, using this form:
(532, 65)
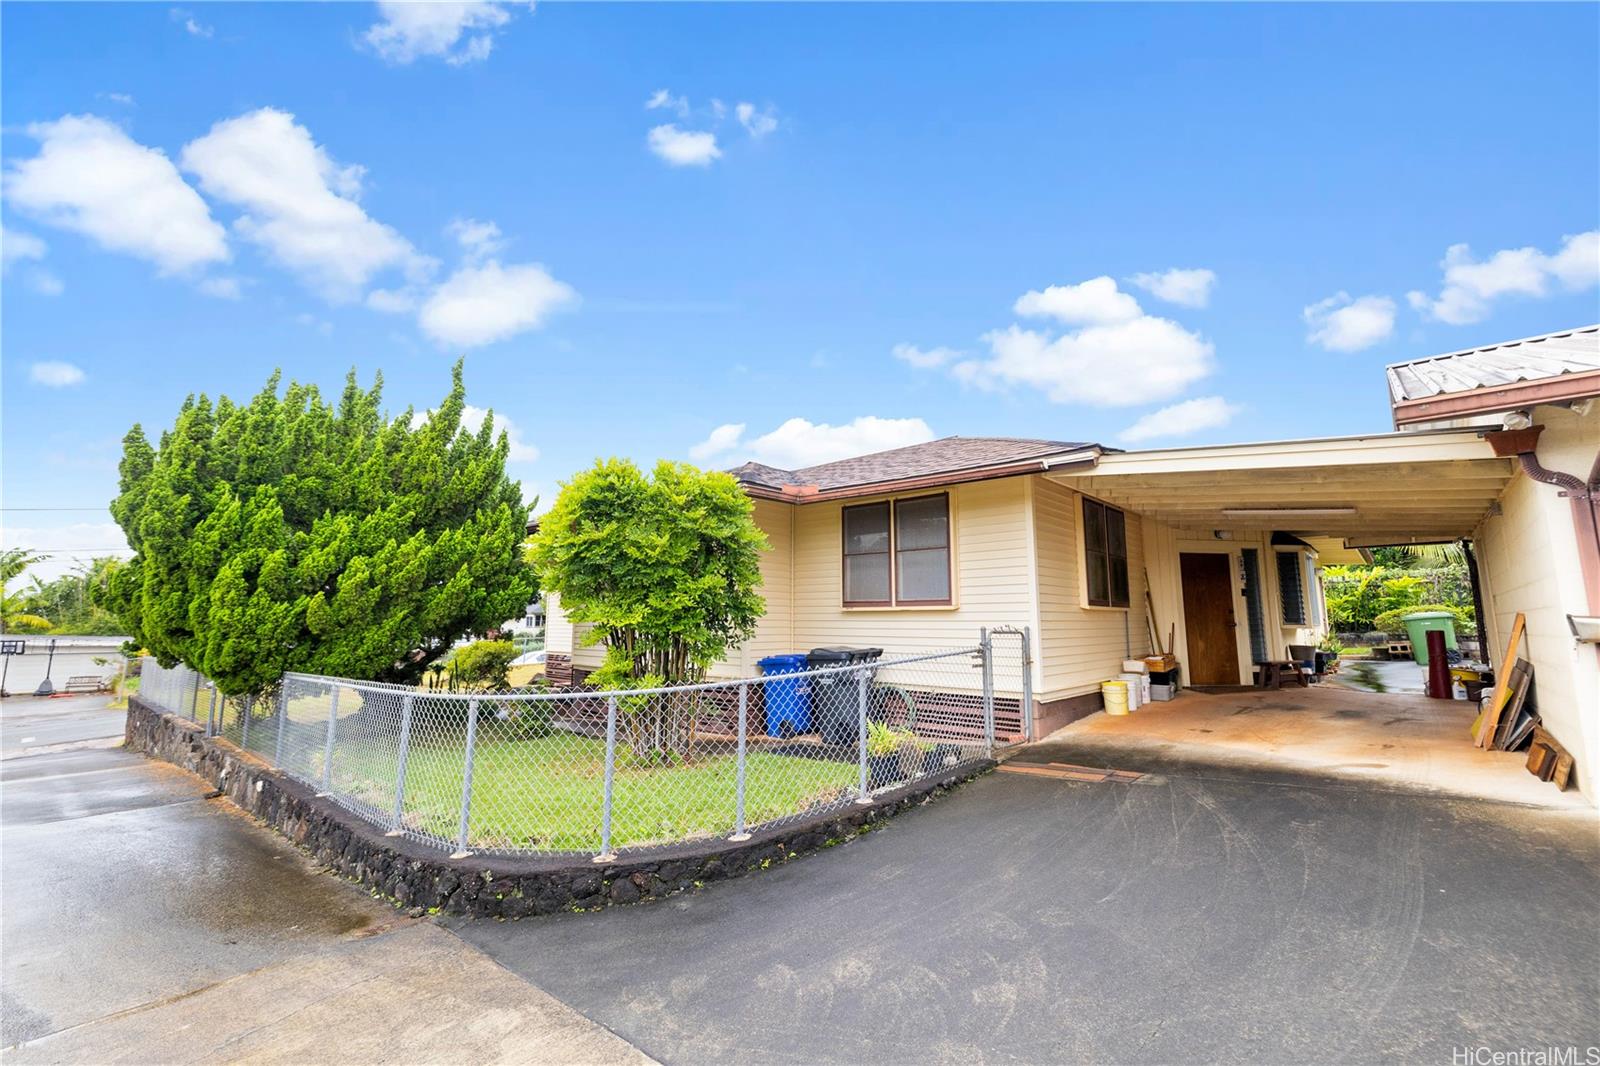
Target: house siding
(991, 583)
(1528, 562)
(1080, 647)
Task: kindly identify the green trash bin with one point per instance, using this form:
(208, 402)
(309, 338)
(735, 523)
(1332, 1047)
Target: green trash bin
(1417, 627)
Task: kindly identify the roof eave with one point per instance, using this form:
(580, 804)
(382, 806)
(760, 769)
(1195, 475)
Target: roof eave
(1564, 388)
(800, 494)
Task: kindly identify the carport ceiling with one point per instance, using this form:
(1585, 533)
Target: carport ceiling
(1388, 488)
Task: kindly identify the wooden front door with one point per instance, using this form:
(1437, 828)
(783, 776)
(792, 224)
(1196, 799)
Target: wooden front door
(1208, 618)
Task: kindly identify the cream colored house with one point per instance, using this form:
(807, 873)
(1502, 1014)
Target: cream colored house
(1101, 553)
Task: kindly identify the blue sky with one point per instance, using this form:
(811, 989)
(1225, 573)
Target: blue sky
(885, 222)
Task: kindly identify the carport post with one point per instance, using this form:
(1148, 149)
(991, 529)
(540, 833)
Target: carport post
(861, 734)
(466, 780)
(611, 769)
(738, 795)
(283, 713)
(986, 652)
(400, 765)
(327, 749)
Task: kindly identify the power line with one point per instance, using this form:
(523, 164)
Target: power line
(107, 509)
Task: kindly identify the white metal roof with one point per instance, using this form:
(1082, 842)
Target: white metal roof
(1572, 351)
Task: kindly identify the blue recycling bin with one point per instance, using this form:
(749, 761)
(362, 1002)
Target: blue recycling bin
(788, 699)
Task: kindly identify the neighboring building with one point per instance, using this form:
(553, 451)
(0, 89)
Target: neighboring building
(1101, 553)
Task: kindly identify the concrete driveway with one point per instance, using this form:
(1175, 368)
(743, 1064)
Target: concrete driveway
(1201, 916)
(146, 922)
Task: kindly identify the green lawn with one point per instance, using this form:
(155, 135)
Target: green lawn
(545, 793)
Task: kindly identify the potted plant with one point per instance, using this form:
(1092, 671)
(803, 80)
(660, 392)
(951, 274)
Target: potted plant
(886, 762)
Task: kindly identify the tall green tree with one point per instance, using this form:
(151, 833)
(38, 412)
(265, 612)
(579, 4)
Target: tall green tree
(290, 533)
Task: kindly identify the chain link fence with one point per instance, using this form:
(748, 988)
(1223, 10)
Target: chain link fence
(590, 773)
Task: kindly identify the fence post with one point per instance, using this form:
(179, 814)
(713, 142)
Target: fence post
(738, 802)
(400, 766)
(211, 713)
(283, 714)
(327, 748)
(986, 653)
(244, 729)
(1027, 684)
(861, 735)
(461, 851)
(194, 702)
(606, 854)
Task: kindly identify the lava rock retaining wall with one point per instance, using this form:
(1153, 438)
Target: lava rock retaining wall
(424, 879)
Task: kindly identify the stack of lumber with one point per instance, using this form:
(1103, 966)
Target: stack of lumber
(1508, 719)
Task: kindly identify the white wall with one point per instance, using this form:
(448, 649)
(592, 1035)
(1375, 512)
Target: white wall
(75, 657)
(1528, 562)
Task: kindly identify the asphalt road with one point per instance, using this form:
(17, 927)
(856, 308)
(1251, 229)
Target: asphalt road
(31, 724)
(1185, 918)
(147, 922)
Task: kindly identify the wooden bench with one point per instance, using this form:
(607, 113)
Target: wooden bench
(1274, 673)
(85, 683)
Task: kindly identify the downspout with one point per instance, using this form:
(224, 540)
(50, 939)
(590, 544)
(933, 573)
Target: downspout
(1585, 498)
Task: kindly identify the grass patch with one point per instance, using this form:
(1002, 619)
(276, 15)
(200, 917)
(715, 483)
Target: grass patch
(546, 792)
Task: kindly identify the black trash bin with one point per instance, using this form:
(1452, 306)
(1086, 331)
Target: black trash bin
(833, 697)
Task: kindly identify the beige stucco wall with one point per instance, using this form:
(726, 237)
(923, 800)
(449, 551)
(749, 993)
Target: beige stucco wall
(1528, 562)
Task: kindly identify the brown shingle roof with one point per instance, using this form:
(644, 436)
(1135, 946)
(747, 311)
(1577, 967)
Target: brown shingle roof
(947, 456)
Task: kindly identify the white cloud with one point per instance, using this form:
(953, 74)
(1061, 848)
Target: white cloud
(55, 374)
(1182, 419)
(520, 451)
(1097, 301)
(483, 303)
(92, 178)
(15, 247)
(312, 322)
(478, 240)
(1186, 288)
(125, 99)
(757, 123)
(661, 98)
(684, 148)
(1118, 356)
(800, 443)
(457, 32)
(222, 288)
(1342, 324)
(45, 283)
(192, 26)
(1472, 286)
(298, 203)
(393, 301)
(722, 440)
(925, 358)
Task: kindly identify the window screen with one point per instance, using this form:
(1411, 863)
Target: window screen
(1252, 604)
(1291, 589)
(922, 550)
(1105, 554)
(866, 554)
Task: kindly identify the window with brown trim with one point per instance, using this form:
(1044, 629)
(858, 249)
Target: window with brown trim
(897, 554)
(1105, 555)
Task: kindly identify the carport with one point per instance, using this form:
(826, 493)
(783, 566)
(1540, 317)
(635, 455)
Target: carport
(1255, 514)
